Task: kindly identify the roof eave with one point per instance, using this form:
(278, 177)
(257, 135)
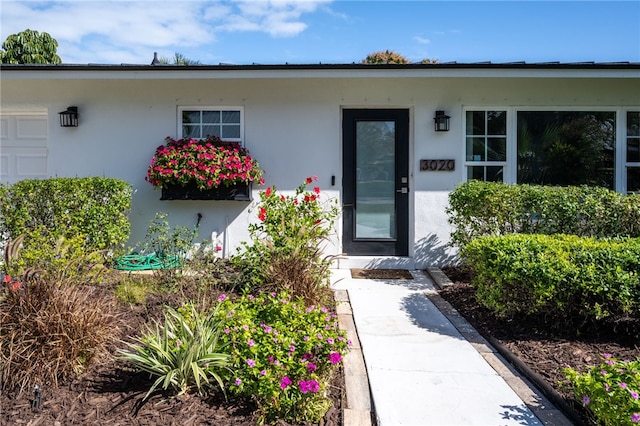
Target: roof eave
(320, 66)
(226, 71)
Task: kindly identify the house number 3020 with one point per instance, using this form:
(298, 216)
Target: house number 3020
(437, 165)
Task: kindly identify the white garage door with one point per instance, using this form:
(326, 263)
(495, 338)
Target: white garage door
(23, 145)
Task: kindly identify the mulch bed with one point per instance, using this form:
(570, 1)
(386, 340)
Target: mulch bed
(547, 345)
(111, 394)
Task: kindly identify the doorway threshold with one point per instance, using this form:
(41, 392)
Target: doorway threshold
(375, 262)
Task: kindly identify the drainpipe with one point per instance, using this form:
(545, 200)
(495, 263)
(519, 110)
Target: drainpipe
(225, 243)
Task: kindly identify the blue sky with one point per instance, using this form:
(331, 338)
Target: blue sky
(338, 31)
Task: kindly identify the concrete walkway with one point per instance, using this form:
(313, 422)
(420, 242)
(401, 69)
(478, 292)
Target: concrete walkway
(421, 370)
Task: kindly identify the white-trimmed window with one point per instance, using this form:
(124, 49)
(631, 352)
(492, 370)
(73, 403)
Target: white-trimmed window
(633, 151)
(486, 145)
(551, 146)
(566, 147)
(200, 122)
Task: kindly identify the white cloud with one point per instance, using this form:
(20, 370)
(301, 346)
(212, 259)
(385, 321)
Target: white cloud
(421, 40)
(130, 31)
(278, 18)
(283, 24)
(240, 23)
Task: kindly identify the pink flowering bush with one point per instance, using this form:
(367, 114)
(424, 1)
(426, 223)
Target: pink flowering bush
(206, 163)
(610, 391)
(283, 354)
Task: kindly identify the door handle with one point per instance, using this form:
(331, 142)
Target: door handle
(403, 190)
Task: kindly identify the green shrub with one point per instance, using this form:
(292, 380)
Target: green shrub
(91, 209)
(558, 275)
(166, 242)
(287, 242)
(163, 251)
(609, 391)
(283, 354)
(184, 353)
(487, 208)
(52, 331)
(63, 259)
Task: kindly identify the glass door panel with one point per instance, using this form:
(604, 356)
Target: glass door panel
(375, 180)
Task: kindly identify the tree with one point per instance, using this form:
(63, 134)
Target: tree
(386, 57)
(30, 47)
(178, 59)
(391, 57)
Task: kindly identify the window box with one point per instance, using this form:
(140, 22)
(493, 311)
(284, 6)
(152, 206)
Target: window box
(206, 169)
(235, 192)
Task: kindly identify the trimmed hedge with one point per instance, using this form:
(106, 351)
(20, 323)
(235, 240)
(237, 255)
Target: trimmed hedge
(558, 275)
(94, 209)
(486, 208)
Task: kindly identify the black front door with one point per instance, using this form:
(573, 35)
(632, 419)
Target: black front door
(375, 186)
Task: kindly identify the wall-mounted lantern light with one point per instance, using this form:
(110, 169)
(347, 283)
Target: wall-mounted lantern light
(69, 118)
(441, 121)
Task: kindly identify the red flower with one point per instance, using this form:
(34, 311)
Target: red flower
(203, 162)
(7, 279)
(268, 192)
(316, 190)
(309, 180)
(15, 286)
(262, 214)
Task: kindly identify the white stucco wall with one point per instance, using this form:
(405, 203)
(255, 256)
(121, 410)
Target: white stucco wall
(292, 127)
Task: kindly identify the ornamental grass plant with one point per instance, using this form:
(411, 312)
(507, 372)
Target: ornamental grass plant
(52, 327)
(183, 354)
(303, 273)
(51, 331)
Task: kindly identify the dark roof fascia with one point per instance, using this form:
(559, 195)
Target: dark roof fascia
(293, 67)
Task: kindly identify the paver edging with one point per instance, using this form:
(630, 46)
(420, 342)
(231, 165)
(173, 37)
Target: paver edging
(515, 375)
(357, 409)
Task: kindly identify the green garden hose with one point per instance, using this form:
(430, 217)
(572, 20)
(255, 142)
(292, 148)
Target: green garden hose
(149, 262)
(141, 262)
